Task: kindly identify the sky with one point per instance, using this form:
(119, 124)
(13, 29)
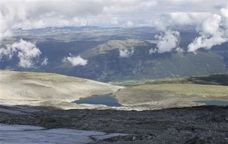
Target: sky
(29, 14)
(209, 17)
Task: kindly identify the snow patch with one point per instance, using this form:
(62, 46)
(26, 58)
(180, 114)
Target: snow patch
(25, 134)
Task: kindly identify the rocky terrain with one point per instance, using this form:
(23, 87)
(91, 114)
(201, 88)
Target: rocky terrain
(193, 125)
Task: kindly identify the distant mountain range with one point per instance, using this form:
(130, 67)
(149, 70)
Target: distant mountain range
(113, 54)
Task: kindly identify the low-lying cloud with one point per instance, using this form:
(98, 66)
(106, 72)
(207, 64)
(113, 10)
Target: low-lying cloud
(167, 41)
(126, 52)
(75, 60)
(213, 31)
(44, 62)
(25, 51)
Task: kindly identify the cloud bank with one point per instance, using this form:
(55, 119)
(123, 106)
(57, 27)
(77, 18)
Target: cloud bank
(28, 14)
(209, 17)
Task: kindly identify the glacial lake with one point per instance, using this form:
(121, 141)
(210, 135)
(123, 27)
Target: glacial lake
(213, 102)
(107, 100)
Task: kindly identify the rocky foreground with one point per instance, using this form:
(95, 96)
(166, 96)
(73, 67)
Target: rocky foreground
(196, 125)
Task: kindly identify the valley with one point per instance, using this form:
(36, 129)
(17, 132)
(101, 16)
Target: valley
(175, 110)
(113, 72)
(114, 54)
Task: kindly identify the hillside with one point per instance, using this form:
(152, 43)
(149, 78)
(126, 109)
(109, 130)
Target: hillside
(130, 59)
(29, 88)
(166, 93)
(48, 89)
(114, 54)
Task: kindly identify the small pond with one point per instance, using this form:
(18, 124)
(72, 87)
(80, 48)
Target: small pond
(107, 99)
(213, 102)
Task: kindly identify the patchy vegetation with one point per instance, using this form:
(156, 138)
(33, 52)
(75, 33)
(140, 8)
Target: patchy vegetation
(173, 92)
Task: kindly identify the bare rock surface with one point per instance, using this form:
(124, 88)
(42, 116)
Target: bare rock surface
(193, 125)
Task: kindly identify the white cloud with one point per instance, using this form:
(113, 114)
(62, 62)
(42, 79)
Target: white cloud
(75, 60)
(152, 50)
(28, 14)
(212, 32)
(207, 24)
(205, 42)
(188, 18)
(130, 24)
(126, 52)
(41, 13)
(44, 62)
(211, 24)
(224, 12)
(24, 50)
(167, 41)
